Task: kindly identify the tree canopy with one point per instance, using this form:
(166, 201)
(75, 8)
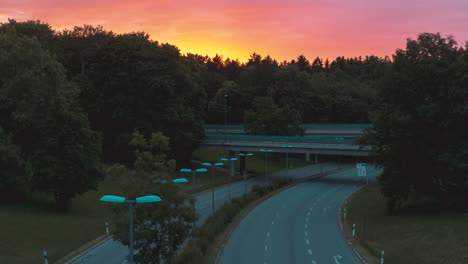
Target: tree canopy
(46, 138)
(159, 228)
(420, 135)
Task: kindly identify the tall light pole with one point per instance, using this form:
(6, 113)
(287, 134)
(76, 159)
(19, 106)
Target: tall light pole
(185, 170)
(245, 168)
(217, 164)
(266, 161)
(225, 114)
(287, 157)
(142, 199)
(178, 180)
(229, 175)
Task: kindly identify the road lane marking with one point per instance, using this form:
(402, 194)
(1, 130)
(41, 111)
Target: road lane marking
(266, 248)
(310, 251)
(307, 241)
(306, 226)
(268, 234)
(308, 213)
(307, 219)
(272, 222)
(314, 262)
(337, 257)
(306, 233)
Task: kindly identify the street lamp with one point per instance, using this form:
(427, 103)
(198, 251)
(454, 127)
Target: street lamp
(142, 199)
(217, 164)
(287, 157)
(185, 170)
(229, 176)
(178, 180)
(245, 168)
(200, 170)
(266, 160)
(225, 115)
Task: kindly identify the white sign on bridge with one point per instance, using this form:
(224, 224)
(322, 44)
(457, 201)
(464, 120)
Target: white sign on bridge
(361, 169)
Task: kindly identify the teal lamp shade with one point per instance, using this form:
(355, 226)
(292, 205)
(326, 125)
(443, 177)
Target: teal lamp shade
(250, 154)
(201, 170)
(148, 199)
(185, 170)
(233, 159)
(206, 164)
(180, 180)
(113, 199)
(224, 159)
(218, 164)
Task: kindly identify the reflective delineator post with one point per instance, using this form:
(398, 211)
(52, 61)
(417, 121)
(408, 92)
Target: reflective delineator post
(46, 261)
(354, 230)
(107, 229)
(382, 257)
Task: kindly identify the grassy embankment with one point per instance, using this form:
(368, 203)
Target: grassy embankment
(30, 228)
(416, 235)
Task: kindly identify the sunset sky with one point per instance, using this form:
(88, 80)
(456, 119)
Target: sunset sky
(237, 28)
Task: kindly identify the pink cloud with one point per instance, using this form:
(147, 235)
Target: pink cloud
(283, 29)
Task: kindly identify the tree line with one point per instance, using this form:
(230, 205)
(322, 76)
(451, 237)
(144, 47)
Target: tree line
(72, 99)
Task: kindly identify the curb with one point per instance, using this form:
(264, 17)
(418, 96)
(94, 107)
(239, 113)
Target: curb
(350, 243)
(88, 249)
(306, 179)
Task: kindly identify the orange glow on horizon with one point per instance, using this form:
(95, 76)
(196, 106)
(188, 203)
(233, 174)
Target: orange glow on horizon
(236, 29)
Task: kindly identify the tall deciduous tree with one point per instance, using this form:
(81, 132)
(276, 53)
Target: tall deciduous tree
(40, 113)
(268, 119)
(420, 135)
(162, 227)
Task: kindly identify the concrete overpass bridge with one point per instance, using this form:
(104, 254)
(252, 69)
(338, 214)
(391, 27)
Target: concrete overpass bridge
(319, 139)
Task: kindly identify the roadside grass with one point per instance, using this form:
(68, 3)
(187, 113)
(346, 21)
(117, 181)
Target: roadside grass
(31, 227)
(417, 235)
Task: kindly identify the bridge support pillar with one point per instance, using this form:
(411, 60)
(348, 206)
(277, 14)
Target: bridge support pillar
(232, 154)
(243, 162)
(307, 156)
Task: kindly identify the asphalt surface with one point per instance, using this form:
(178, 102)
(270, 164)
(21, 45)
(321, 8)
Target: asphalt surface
(298, 225)
(113, 252)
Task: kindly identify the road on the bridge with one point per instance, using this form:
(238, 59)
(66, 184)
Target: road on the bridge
(298, 225)
(113, 252)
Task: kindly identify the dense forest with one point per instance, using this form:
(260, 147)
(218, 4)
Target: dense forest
(72, 99)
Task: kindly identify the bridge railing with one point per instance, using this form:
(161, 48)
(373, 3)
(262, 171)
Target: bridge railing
(289, 139)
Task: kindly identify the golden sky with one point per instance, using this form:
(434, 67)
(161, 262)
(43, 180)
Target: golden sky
(281, 29)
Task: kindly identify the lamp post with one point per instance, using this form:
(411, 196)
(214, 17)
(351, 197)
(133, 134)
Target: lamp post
(287, 157)
(266, 161)
(217, 164)
(229, 176)
(185, 170)
(178, 180)
(119, 199)
(225, 115)
(199, 170)
(245, 155)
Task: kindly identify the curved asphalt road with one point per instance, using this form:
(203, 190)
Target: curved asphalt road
(298, 225)
(113, 252)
